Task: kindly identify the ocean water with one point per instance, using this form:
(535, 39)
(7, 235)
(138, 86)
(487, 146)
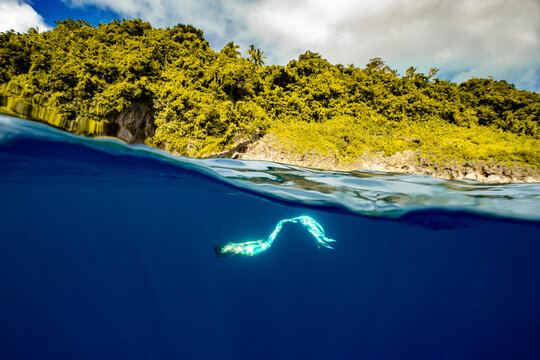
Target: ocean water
(107, 252)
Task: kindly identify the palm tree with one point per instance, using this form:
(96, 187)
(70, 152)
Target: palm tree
(432, 72)
(230, 50)
(256, 55)
(410, 72)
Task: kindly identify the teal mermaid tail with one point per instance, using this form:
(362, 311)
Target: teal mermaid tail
(252, 248)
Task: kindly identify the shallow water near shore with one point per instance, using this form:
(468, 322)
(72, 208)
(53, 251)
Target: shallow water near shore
(107, 252)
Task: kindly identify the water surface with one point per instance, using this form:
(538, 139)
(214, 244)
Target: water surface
(106, 251)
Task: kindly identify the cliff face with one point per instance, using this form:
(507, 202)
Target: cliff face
(134, 125)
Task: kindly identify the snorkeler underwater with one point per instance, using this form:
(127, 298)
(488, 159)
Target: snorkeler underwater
(252, 248)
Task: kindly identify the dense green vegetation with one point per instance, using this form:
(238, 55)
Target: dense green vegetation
(79, 77)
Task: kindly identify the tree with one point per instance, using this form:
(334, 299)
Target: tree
(231, 50)
(432, 72)
(410, 72)
(256, 55)
(72, 24)
(375, 64)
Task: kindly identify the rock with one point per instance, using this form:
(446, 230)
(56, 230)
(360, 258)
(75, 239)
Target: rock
(238, 149)
(271, 148)
(494, 179)
(134, 125)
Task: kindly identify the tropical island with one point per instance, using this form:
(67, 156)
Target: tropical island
(168, 89)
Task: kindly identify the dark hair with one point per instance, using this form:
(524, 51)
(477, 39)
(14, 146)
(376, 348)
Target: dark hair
(219, 253)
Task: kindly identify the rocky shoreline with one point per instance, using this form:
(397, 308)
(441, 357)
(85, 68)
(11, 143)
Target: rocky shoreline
(268, 148)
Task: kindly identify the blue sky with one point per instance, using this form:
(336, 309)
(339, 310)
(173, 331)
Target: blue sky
(52, 10)
(463, 38)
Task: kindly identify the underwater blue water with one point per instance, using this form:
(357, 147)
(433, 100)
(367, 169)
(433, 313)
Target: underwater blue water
(107, 252)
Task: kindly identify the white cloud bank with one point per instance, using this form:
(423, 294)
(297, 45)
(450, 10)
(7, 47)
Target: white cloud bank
(19, 16)
(463, 38)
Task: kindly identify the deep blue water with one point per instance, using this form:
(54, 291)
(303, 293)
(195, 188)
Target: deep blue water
(106, 252)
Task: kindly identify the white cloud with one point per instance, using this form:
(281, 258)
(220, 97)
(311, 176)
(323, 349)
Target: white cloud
(218, 17)
(19, 16)
(463, 38)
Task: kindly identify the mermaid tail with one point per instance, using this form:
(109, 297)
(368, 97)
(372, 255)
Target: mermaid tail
(252, 248)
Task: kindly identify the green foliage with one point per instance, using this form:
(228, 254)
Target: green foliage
(347, 138)
(256, 55)
(231, 50)
(79, 77)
